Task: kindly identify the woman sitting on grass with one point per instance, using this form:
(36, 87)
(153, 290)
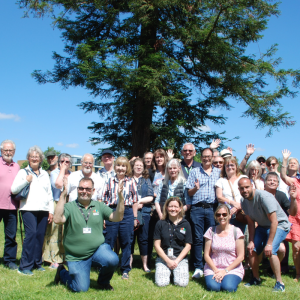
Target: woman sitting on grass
(223, 253)
(172, 242)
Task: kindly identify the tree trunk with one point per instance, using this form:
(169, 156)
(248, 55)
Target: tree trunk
(143, 102)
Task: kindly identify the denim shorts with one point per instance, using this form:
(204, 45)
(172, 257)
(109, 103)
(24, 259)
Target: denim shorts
(262, 235)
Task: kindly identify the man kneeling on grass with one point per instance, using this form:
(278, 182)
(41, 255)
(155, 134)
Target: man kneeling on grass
(83, 237)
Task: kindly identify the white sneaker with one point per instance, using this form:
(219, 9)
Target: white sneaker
(198, 273)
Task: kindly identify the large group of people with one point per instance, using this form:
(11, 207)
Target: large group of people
(221, 212)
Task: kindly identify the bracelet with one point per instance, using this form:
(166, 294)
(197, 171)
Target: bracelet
(283, 166)
(269, 245)
(135, 218)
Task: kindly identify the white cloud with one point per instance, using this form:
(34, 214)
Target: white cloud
(204, 128)
(59, 144)
(72, 145)
(260, 149)
(10, 116)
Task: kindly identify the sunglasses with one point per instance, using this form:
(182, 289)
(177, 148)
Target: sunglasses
(223, 215)
(218, 162)
(66, 161)
(273, 165)
(187, 150)
(81, 189)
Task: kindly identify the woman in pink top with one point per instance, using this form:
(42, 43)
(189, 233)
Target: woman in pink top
(223, 253)
(289, 174)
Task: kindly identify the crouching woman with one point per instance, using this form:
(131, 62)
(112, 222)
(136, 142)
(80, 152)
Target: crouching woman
(223, 253)
(172, 242)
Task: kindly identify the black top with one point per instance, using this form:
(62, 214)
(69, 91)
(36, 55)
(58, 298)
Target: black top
(173, 236)
(283, 201)
(186, 170)
(151, 174)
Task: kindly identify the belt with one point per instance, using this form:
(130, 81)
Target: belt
(203, 205)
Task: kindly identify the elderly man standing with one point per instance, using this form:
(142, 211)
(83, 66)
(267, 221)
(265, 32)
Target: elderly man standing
(188, 164)
(87, 163)
(273, 227)
(52, 160)
(201, 190)
(108, 171)
(83, 237)
(8, 207)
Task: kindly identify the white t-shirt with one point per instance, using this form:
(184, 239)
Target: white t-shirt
(224, 185)
(73, 182)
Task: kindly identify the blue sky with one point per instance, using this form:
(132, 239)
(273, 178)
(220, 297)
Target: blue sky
(46, 115)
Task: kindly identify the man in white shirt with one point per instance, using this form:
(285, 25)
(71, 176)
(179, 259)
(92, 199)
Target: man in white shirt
(107, 157)
(87, 163)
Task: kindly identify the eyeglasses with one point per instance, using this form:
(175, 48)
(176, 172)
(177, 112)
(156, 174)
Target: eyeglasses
(185, 150)
(230, 166)
(87, 163)
(34, 157)
(66, 161)
(9, 151)
(208, 156)
(81, 189)
(218, 163)
(223, 215)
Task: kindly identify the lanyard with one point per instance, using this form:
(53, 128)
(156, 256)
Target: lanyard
(88, 215)
(188, 169)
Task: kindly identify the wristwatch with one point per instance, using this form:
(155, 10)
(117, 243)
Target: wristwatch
(226, 271)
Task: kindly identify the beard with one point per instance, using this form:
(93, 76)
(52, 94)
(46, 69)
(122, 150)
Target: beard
(7, 158)
(86, 170)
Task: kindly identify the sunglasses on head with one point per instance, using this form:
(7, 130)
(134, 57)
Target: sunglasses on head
(223, 215)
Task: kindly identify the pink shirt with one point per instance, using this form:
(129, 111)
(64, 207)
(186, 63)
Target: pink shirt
(8, 172)
(223, 252)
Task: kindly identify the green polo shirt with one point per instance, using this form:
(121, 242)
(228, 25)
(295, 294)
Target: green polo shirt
(79, 245)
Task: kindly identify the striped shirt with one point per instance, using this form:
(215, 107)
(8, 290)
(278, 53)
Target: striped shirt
(110, 194)
(207, 192)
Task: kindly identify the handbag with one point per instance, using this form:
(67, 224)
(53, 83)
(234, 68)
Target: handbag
(240, 215)
(23, 194)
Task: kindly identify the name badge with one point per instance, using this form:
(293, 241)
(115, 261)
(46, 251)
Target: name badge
(87, 230)
(170, 252)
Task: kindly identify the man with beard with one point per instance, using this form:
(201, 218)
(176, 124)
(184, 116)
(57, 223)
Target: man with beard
(52, 160)
(8, 207)
(87, 163)
(83, 237)
(273, 226)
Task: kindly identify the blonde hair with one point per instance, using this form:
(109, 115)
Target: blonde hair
(122, 160)
(226, 161)
(165, 212)
(220, 207)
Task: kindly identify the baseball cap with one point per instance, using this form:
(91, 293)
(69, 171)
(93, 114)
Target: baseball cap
(51, 153)
(107, 151)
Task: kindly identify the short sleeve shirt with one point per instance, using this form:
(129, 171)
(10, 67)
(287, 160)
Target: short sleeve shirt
(173, 236)
(78, 245)
(262, 204)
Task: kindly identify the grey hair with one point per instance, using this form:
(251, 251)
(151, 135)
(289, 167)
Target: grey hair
(6, 142)
(86, 155)
(180, 177)
(294, 159)
(272, 174)
(254, 164)
(188, 144)
(38, 150)
(63, 155)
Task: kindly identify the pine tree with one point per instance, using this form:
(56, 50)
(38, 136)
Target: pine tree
(158, 69)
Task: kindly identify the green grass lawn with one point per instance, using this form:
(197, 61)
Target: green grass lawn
(139, 286)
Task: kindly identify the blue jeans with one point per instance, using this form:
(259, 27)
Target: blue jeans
(261, 237)
(142, 234)
(35, 224)
(202, 219)
(228, 284)
(78, 276)
(123, 229)
(9, 218)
